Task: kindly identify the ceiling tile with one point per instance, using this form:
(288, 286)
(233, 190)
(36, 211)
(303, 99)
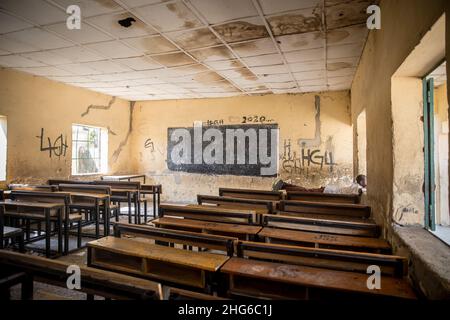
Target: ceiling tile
(278, 68)
(345, 51)
(305, 55)
(71, 79)
(282, 85)
(169, 16)
(107, 66)
(216, 11)
(39, 39)
(225, 64)
(252, 48)
(315, 82)
(263, 60)
(9, 23)
(86, 34)
(14, 46)
(238, 73)
(38, 11)
(91, 8)
(46, 71)
(341, 72)
(151, 45)
(276, 6)
(244, 29)
(173, 59)
(139, 63)
(307, 66)
(79, 69)
(344, 81)
(113, 49)
(346, 14)
(193, 39)
(302, 41)
(276, 77)
(309, 75)
(347, 35)
(77, 54)
(314, 88)
(140, 3)
(14, 61)
(300, 21)
(342, 63)
(46, 57)
(212, 54)
(109, 23)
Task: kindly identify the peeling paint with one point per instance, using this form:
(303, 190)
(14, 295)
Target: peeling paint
(130, 129)
(240, 31)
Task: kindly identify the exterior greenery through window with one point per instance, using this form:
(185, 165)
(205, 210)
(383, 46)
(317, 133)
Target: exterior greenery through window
(89, 150)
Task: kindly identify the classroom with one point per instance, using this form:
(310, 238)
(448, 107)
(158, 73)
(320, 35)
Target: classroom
(224, 149)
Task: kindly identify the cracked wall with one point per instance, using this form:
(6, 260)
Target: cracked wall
(315, 142)
(38, 109)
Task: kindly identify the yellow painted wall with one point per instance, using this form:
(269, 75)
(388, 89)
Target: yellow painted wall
(404, 23)
(31, 103)
(295, 115)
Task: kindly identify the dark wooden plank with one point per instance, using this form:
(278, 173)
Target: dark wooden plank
(259, 206)
(324, 240)
(251, 194)
(209, 213)
(240, 231)
(350, 228)
(324, 258)
(322, 197)
(257, 272)
(333, 209)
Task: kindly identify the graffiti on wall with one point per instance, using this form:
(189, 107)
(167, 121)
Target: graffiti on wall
(56, 147)
(295, 162)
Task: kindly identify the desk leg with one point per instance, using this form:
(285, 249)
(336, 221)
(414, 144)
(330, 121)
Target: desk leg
(106, 217)
(60, 231)
(66, 229)
(159, 198)
(47, 232)
(129, 208)
(137, 209)
(97, 220)
(154, 202)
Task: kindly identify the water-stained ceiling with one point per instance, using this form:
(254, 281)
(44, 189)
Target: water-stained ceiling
(189, 48)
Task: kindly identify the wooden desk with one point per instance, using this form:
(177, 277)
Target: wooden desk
(131, 195)
(330, 209)
(153, 261)
(323, 240)
(99, 200)
(49, 210)
(155, 190)
(284, 281)
(127, 177)
(240, 231)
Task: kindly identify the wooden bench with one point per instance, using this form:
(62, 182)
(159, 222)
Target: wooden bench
(50, 197)
(259, 206)
(322, 197)
(394, 266)
(251, 194)
(93, 281)
(350, 228)
(171, 293)
(273, 280)
(63, 181)
(240, 231)
(170, 265)
(27, 187)
(170, 236)
(325, 209)
(324, 240)
(209, 213)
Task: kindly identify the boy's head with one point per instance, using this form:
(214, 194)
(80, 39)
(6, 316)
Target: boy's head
(361, 180)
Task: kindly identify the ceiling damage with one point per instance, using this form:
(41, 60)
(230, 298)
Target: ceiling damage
(187, 48)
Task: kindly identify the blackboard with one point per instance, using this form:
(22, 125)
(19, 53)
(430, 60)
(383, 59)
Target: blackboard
(246, 169)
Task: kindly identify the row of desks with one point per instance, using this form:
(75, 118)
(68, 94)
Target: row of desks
(198, 269)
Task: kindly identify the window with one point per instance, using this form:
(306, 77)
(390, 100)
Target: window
(3, 150)
(89, 150)
(361, 142)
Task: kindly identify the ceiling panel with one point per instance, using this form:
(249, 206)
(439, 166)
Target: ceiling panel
(9, 23)
(187, 49)
(86, 34)
(37, 11)
(169, 16)
(151, 45)
(216, 11)
(110, 24)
